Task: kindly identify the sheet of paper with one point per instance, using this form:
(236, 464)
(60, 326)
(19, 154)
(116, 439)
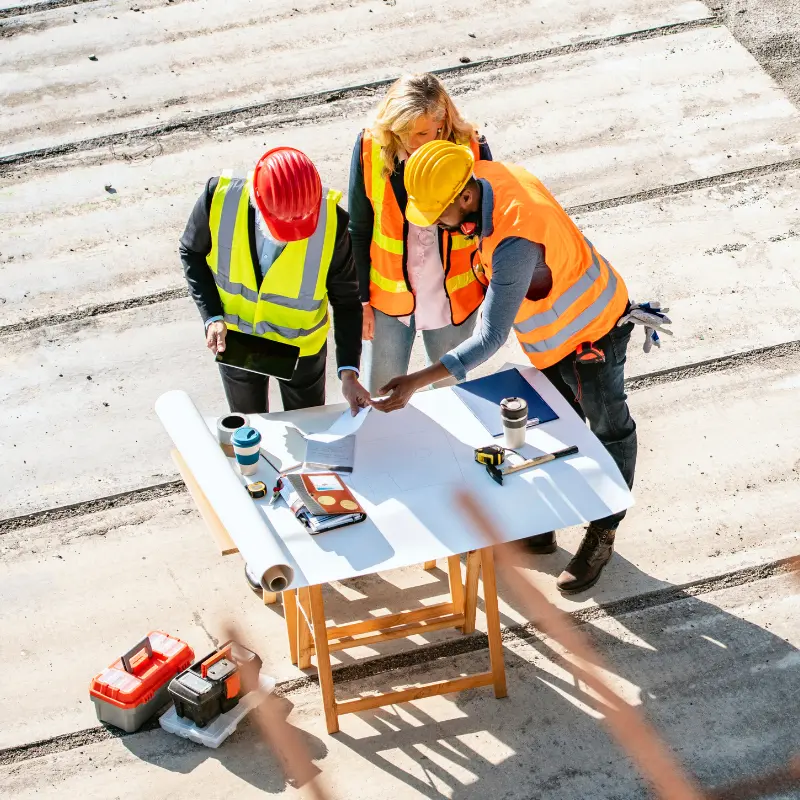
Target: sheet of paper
(348, 424)
(329, 451)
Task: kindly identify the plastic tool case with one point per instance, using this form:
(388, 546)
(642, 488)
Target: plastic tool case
(214, 684)
(134, 688)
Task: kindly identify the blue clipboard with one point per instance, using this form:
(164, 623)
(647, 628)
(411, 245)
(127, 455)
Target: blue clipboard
(483, 395)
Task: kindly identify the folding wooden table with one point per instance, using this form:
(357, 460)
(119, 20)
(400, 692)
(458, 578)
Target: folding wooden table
(407, 465)
(304, 613)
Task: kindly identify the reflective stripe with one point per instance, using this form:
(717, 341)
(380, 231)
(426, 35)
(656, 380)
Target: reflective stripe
(462, 242)
(263, 328)
(396, 287)
(298, 304)
(459, 281)
(312, 266)
(313, 259)
(579, 323)
(227, 226)
(235, 288)
(378, 190)
(562, 303)
(243, 325)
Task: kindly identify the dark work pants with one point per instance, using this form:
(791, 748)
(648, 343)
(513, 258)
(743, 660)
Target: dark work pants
(597, 393)
(247, 392)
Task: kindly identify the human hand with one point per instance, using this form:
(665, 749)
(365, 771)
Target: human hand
(215, 336)
(399, 390)
(368, 324)
(355, 394)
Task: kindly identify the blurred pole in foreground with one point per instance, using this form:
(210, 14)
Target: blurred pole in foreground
(654, 760)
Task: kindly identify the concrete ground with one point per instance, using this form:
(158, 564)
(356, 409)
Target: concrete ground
(670, 131)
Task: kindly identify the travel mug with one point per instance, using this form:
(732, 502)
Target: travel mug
(514, 415)
(246, 445)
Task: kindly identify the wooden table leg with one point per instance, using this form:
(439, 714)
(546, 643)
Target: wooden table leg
(290, 616)
(471, 590)
(456, 586)
(429, 565)
(305, 644)
(320, 634)
(270, 598)
(493, 622)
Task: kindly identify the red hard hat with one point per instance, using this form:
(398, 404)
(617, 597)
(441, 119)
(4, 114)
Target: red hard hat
(288, 193)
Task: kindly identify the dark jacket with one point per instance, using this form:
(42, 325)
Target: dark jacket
(342, 283)
(362, 215)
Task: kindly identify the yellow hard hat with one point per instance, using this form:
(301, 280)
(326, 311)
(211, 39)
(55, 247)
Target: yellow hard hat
(434, 176)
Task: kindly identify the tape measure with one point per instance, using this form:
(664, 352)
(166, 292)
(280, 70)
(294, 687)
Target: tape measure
(257, 490)
(490, 456)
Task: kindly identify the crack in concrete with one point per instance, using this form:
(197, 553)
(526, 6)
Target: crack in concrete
(646, 381)
(36, 8)
(48, 515)
(205, 122)
(94, 311)
(430, 653)
(688, 186)
(719, 364)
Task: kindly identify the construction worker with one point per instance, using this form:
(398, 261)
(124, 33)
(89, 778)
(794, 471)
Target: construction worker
(263, 255)
(567, 304)
(412, 278)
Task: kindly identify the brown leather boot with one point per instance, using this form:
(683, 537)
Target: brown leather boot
(583, 571)
(541, 544)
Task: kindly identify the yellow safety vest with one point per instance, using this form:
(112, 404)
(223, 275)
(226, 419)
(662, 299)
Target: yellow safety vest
(291, 305)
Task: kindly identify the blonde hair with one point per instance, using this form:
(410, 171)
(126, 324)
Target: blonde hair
(408, 99)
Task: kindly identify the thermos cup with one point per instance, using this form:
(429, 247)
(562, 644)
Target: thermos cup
(246, 445)
(514, 415)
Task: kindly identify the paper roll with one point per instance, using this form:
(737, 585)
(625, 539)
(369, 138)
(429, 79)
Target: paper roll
(224, 491)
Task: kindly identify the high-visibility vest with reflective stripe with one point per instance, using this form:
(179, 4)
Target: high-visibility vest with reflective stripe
(588, 295)
(390, 289)
(291, 305)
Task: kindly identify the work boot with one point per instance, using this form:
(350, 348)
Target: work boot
(541, 544)
(583, 571)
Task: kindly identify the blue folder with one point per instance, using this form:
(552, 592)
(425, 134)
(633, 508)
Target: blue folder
(483, 395)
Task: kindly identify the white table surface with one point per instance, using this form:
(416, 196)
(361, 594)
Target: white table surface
(408, 464)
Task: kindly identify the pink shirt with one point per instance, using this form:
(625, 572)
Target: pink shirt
(426, 275)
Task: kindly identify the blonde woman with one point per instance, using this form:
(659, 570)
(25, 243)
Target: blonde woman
(410, 278)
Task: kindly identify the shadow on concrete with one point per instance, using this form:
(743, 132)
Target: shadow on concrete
(722, 691)
(243, 754)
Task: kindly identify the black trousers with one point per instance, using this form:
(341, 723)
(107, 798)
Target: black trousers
(597, 393)
(248, 393)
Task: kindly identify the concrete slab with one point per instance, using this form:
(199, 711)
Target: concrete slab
(593, 126)
(714, 674)
(710, 503)
(157, 63)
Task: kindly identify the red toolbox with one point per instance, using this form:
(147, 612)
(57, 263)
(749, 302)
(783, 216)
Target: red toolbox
(134, 688)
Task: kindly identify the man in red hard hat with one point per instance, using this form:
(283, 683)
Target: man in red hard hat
(264, 254)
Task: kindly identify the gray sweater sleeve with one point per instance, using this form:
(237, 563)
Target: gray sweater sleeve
(518, 266)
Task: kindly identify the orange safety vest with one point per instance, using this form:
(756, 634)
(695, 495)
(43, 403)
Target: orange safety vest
(389, 287)
(588, 295)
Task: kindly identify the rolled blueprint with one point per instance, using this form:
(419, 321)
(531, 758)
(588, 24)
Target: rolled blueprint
(224, 491)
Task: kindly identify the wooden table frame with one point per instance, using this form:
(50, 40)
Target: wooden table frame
(304, 613)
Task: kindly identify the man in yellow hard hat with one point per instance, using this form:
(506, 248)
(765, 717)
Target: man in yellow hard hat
(567, 304)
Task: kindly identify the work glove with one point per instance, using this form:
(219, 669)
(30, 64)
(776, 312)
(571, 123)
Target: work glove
(652, 317)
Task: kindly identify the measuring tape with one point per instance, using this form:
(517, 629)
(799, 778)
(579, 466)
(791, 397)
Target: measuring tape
(257, 490)
(490, 456)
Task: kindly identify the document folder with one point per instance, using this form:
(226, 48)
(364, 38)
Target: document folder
(483, 395)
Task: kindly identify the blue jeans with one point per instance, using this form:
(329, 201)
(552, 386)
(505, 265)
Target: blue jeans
(597, 393)
(389, 353)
